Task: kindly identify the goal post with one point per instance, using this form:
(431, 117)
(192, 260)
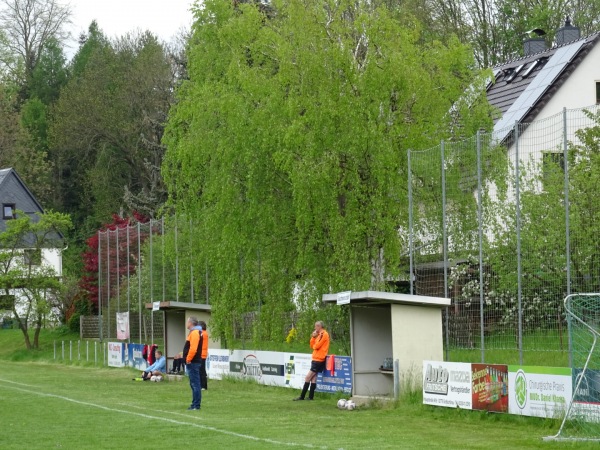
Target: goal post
(582, 418)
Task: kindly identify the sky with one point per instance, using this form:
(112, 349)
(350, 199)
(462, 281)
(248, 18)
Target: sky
(117, 17)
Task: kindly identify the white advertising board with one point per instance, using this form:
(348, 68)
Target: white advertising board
(217, 363)
(539, 391)
(447, 384)
(115, 354)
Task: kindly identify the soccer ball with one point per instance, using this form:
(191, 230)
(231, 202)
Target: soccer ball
(153, 378)
(341, 404)
(350, 405)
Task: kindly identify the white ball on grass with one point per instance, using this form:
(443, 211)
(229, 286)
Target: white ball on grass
(341, 403)
(350, 405)
(153, 378)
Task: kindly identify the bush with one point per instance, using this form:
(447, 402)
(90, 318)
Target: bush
(73, 322)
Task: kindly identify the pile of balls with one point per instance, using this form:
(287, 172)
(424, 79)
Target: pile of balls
(346, 404)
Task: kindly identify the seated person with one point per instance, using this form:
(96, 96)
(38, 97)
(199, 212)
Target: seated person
(178, 363)
(158, 368)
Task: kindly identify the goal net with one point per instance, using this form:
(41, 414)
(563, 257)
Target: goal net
(582, 418)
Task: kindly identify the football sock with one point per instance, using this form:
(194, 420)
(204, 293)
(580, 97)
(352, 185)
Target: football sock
(311, 394)
(304, 389)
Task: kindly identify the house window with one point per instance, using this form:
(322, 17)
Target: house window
(597, 92)
(8, 211)
(32, 257)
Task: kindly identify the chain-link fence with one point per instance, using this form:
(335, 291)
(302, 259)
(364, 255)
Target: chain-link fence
(145, 263)
(505, 224)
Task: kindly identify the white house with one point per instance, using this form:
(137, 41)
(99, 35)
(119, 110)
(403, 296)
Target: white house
(533, 91)
(14, 197)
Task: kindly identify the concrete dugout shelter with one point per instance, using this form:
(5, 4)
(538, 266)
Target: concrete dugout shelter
(175, 318)
(406, 328)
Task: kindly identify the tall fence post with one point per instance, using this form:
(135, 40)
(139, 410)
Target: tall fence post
(567, 230)
(100, 285)
(480, 238)
(176, 263)
(191, 264)
(139, 276)
(519, 274)
(410, 223)
(164, 283)
(128, 280)
(445, 241)
(108, 283)
(118, 255)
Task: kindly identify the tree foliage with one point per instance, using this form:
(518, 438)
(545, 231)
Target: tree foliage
(28, 26)
(32, 284)
(106, 129)
(288, 144)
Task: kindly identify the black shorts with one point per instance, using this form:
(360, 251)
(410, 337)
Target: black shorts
(317, 366)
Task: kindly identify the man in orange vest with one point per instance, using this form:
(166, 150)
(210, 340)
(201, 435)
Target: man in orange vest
(203, 376)
(192, 352)
(319, 342)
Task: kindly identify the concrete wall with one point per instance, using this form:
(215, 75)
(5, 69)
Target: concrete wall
(416, 336)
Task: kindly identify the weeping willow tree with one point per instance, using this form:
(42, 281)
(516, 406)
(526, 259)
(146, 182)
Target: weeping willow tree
(288, 147)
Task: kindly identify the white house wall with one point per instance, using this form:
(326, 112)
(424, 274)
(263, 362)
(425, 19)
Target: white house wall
(52, 257)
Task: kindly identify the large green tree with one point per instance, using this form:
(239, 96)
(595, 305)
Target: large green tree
(287, 145)
(107, 126)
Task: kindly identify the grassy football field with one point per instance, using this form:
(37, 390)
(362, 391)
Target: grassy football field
(47, 405)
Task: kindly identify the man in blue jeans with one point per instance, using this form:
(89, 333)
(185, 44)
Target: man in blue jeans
(192, 355)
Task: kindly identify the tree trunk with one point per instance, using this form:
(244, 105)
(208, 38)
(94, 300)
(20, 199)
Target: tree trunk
(23, 327)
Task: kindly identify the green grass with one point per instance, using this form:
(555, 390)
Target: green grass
(46, 405)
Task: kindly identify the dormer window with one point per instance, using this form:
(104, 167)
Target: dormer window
(8, 211)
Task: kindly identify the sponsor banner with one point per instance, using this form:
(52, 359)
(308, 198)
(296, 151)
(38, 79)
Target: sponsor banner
(539, 391)
(217, 363)
(134, 356)
(337, 376)
(490, 387)
(297, 366)
(586, 394)
(586, 386)
(447, 384)
(116, 354)
(264, 367)
(123, 325)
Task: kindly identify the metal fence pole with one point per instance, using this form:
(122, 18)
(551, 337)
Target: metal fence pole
(480, 237)
(151, 266)
(410, 224)
(567, 229)
(191, 264)
(128, 280)
(176, 263)
(108, 283)
(519, 274)
(206, 279)
(164, 284)
(139, 276)
(118, 255)
(100, 285)
(445, 241)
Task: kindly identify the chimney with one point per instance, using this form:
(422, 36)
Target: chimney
(535, 44)
(568, 33)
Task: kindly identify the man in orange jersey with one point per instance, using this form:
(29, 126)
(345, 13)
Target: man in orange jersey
(203, 376)
(319, 342)
(192, 353)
